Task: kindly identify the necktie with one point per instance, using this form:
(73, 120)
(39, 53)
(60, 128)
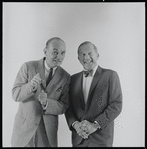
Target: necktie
(49, 76)
(88, 73)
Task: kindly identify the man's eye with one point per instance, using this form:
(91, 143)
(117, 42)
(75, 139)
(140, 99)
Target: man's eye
(89, 53)
(63, 53)
(55, 52)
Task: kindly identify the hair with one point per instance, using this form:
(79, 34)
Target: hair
(88, 42)
(51, 39)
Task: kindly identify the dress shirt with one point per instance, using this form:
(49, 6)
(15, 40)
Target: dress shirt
(86, 86)
(87, 83)
(47, 70)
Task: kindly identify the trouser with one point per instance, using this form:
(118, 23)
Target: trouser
(89, 143)
(39, 139)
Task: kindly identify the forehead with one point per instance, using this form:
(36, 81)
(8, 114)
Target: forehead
(86, 48)
(57, 44)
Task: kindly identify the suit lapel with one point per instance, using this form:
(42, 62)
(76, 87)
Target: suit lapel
(56, 77)
(95, 80)
(40, 69)
(80, 86)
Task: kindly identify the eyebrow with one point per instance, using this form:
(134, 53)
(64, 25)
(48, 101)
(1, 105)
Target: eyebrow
(58, 50)
(55, 49)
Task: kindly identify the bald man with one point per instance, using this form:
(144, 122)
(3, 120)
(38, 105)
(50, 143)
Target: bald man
(41, 88)
(95, 101)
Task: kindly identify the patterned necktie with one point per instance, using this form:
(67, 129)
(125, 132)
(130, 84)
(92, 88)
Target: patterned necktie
(49, 76)
(88, 73)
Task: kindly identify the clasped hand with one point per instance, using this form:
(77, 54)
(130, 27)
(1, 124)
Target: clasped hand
(84, 128)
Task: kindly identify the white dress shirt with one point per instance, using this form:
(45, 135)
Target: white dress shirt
(47, 70)
(87, 83)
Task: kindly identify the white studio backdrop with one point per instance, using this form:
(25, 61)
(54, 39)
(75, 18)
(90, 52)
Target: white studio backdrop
(118, 31)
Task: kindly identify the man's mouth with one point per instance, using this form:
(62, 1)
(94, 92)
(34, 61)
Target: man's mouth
(88, 63)
(56, 61)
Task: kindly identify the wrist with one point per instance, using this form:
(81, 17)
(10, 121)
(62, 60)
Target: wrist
(74, 125)
(44, 106)
(96, 125)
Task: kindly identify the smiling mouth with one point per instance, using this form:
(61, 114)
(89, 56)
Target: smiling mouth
(88, 63)
(56, 61)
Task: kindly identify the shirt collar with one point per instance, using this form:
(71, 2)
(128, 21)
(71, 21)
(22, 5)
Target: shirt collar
(94, 70)
(48, 68)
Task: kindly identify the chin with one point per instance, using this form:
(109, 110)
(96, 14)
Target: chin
(58, 64)
(87, 68)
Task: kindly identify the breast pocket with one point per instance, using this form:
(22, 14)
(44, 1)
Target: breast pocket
(58, 93)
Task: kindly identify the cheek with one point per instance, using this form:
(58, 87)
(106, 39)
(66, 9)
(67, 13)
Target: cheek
(62, 57)
(81, 59)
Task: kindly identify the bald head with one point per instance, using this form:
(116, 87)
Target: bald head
(53, 39)
(88, 43)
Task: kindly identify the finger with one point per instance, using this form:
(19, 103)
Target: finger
(43, 94)
(43, 102)
(42, 91)
(37, 79)
(33, 83)
(84, 136)
(37, 75)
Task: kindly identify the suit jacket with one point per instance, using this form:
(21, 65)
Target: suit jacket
(30, 110)
(104, 104)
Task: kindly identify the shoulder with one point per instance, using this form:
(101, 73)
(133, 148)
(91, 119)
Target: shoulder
(30, 64)
(65, 73)
(76, 74)
(109, 72)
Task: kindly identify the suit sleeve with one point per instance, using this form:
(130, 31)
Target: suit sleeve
(57, 107)
(115, 102)
(22, 89)
(70, 114)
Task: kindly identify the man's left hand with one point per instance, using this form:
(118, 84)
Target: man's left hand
(88, 127)
(43, 98)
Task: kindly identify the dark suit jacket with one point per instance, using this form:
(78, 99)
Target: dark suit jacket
(104, 104)
(30, 110)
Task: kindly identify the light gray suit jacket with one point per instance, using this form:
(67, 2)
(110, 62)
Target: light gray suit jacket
(30, 110)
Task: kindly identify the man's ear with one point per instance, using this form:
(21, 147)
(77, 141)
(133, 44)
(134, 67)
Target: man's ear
(97, 55)
(78, 58)
(44, 50)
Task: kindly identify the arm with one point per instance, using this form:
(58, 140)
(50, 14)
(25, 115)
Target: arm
(70, 115)
(115, 102)
(57, 107)
(22, 89)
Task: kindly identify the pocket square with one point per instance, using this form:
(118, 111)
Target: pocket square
(59, 89)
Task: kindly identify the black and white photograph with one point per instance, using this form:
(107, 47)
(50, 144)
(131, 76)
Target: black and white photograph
(73, 74)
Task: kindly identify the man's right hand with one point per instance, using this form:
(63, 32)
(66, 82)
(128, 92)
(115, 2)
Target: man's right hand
(78, 127)
(35, 81)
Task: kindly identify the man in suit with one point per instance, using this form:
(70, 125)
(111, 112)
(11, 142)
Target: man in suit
(95, 101)
(42, 90)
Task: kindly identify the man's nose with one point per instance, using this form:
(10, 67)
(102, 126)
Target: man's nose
(58, 56)
(87, 56)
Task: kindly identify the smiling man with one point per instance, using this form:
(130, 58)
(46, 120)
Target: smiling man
(41, 88)
(95, 101)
